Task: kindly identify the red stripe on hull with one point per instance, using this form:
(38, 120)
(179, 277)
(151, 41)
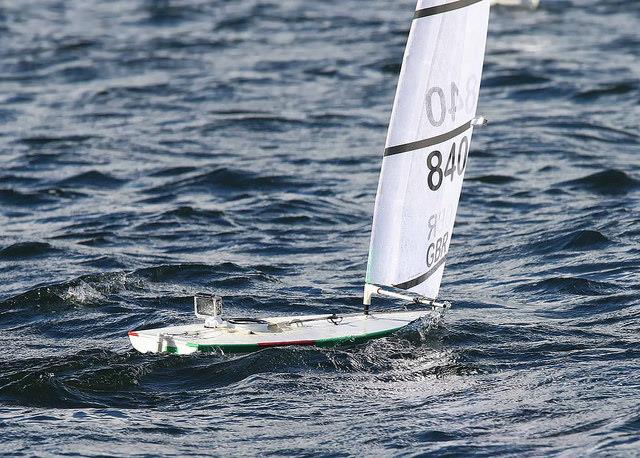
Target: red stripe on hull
(283, 344)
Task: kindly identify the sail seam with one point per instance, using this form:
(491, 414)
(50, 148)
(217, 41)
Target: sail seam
(445, 8)
(406, 147)
(422, 278)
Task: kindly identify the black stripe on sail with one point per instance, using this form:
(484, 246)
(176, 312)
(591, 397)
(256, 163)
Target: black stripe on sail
(443, 8)
(422, 278)
(406, 147)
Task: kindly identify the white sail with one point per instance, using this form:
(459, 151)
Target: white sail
(427, 145)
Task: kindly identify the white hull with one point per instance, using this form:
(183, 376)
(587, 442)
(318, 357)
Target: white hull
(316, 330)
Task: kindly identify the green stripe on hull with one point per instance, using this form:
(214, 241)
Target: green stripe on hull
(322, 343)
(336, 341)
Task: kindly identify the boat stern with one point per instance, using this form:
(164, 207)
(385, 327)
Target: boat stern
(153, 341)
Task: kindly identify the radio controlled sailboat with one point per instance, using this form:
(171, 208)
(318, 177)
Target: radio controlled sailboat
(423, 167)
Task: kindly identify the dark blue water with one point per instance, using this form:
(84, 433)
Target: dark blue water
(152, 149)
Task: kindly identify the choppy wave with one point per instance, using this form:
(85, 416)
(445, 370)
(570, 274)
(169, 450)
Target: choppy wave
(606, 182)
(25, 250)
(155, 149)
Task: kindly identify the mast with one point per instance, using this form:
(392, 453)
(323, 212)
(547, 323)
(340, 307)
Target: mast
(427, 147)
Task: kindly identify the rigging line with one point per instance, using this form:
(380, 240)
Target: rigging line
(406, 147)
(444, 8)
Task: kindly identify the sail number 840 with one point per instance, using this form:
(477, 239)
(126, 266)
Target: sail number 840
(456, 163)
